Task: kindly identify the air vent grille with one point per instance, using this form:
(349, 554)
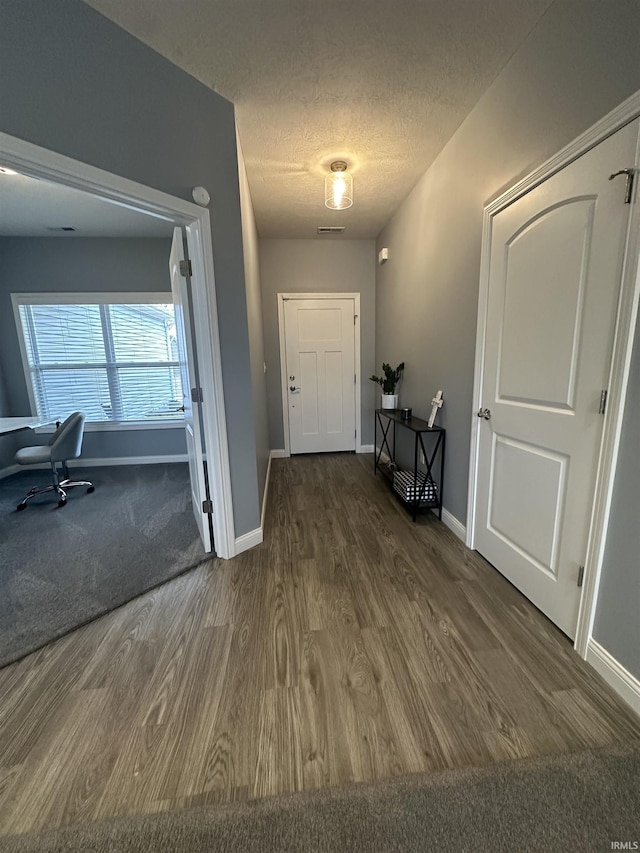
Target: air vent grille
(62, 228)
(331, 229)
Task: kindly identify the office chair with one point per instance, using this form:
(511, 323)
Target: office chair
(65, 443)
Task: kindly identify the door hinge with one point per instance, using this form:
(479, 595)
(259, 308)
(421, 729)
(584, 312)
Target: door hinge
(630, 173)
(207, 507)
(355, 317)
(185, 269)
(355, 379)
(603, 402)
(196, 395)
(355, 432)
(580, 575)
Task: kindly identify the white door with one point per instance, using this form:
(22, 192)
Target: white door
(186, 355)
(554, 279)
(319, 339)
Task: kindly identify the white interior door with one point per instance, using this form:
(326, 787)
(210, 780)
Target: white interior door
(319, 339)
(186, 355)
(554, 280)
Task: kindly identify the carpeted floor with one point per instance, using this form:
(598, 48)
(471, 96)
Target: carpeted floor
(583, 802)
(60, 568)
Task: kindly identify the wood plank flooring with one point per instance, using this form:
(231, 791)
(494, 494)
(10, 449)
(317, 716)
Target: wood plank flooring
(351, 645)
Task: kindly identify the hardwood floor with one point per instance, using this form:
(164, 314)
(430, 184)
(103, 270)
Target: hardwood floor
(351, 645)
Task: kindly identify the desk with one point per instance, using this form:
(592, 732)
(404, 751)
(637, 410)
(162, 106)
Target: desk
(8, 425)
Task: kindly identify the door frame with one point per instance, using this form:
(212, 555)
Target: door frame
(37, 162)
(626, 317)
(282, 297)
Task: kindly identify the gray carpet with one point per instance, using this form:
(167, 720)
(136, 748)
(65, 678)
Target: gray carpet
(60, 568)
(578, 802)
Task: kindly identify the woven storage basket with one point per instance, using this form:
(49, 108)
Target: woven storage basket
(404, 483)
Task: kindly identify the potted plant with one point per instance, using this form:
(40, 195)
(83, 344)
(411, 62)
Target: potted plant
(389, 383)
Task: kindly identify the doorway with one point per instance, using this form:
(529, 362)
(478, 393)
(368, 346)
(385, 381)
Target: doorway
(554, 332)
(320, 371)
(32, 161)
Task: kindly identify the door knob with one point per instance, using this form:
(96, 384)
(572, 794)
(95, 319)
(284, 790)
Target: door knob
(484, 413)
(293, 388)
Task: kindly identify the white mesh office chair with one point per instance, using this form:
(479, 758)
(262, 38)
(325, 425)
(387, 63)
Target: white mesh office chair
(65, 443)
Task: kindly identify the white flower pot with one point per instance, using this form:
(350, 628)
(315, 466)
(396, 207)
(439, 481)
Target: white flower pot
(389, 401)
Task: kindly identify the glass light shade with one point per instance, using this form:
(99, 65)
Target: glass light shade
(338, 190)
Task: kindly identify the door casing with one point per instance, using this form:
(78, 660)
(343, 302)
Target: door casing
(620, 362)
(283, 365)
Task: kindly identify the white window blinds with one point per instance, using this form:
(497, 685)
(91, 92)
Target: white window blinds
(114, 362)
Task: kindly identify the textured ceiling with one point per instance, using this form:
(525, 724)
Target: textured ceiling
(382, 84)
(34, 208)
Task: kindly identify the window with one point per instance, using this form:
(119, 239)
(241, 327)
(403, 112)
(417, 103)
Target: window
(112, 357)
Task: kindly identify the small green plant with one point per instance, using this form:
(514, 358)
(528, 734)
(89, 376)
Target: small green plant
(390, 379)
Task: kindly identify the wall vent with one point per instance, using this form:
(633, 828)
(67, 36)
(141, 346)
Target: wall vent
(331, 229)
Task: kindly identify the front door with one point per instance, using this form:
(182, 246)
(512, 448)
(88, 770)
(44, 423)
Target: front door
(319, 354)
(186, 355)
(554, 278)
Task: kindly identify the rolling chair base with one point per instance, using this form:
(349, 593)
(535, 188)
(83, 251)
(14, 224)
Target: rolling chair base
(60, 489)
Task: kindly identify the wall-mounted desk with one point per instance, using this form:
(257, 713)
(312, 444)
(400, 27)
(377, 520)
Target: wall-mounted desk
(8, 425)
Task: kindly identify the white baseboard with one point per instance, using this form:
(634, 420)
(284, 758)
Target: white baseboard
(365, 448)
(248, 540)
(99, 463)
(9, 470)
(278, 454)
(454, 524)
(626, 685)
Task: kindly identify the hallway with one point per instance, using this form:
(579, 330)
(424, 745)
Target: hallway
(351, 645)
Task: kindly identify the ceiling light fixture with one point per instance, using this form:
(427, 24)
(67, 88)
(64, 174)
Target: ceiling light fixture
(4, 170)
(338, 187)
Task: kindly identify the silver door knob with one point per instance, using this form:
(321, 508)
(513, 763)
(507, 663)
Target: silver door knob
(293, 388)
(484, 413)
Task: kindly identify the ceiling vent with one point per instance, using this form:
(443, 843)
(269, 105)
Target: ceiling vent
(331, 229)
(62, 228)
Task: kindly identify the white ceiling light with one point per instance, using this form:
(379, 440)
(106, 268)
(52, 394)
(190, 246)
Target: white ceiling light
(6, 171)
(338, 187)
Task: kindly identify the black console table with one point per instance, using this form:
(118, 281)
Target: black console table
(416, 489)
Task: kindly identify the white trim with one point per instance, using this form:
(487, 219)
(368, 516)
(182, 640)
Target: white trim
(265, 493)
(248, 540)
(283, 367)
(626, 685)
(365, 448)
(37, 162)
(209, 358)
(9, 470)
(453, 523)
(81, 297)
(620, 363)
(279, 454)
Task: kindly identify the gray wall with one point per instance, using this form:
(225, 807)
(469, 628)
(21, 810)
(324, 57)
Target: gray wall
(78, 265)
(577, 64)
(75, 83)
(254, 317)
(317, 266)
(617, 623)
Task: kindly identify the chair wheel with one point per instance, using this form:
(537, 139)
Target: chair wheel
(62, 502)
(91, 489)
(20, 507)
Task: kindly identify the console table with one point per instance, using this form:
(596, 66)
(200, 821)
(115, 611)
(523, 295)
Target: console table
(415, 488)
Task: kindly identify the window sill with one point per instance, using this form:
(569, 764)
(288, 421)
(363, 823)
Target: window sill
(120, 426)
